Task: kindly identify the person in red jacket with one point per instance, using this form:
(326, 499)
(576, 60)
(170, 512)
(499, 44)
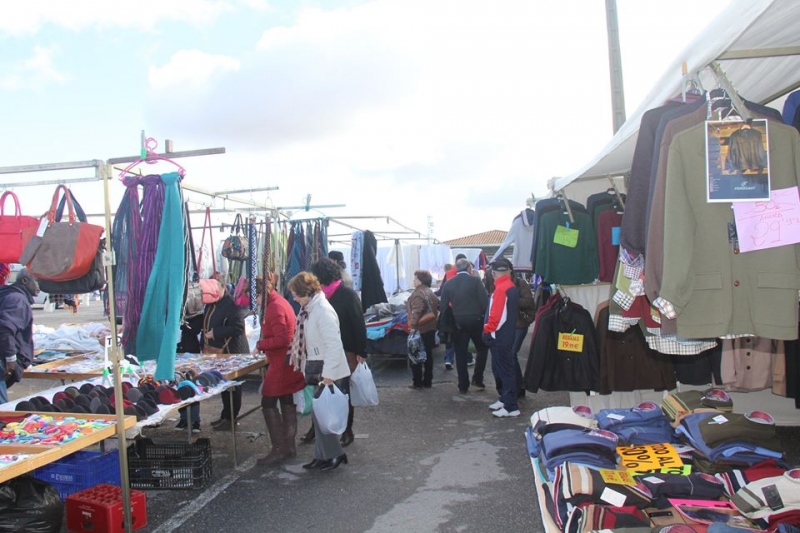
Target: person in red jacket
(281, 380)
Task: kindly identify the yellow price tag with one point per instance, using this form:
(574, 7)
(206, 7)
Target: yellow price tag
(566, 236)
(570, 342)
(647, 457)
(617, 477)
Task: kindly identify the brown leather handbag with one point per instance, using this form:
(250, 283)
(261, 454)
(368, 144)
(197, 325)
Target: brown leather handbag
(66, 250)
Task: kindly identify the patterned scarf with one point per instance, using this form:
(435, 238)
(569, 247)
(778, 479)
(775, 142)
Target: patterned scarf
(297, 352)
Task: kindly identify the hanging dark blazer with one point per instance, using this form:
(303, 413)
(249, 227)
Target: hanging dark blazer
(372, 291)
(715, 290)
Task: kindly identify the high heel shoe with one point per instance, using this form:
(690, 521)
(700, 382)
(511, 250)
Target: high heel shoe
(308, 438)
(316, 463)
(347, 438)
(335, 462)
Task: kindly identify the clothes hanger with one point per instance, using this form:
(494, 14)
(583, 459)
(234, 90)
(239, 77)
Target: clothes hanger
(150, 157)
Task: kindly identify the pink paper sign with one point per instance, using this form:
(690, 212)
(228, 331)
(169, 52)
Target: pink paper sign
(762, 225)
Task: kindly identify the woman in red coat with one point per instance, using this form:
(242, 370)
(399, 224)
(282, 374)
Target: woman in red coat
(281, 380)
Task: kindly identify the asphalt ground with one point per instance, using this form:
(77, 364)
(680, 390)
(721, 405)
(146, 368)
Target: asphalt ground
(423, 461)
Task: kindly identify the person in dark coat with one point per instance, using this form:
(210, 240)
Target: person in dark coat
(281, 380)
(223, 327)
(16, 329)
(352, 328)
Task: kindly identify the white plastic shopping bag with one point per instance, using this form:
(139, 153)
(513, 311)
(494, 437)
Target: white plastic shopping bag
(303, 399)
(330, 410)
(363, 392)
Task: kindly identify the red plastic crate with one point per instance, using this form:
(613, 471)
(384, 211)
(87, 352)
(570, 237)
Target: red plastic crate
(99, 510)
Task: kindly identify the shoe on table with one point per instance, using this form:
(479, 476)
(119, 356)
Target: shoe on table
(195, 427)
(502, 413)
(182, 424)
(497, 405)
(448, 366)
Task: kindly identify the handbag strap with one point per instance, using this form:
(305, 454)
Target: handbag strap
(207, 224)
(51, 214)
(17, 210)
(191, 237)
(79, 212)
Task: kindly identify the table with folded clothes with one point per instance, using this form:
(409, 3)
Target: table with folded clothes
(29, 440)
(690, 462)
(387, 329)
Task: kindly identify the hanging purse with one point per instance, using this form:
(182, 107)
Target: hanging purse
(11, 228)
(66, 250)
(95, 278)
(428, 317)
(235, 246)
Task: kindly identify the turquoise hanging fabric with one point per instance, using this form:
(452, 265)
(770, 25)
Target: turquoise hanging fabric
(159, 327)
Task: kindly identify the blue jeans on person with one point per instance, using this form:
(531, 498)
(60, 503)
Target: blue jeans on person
(195, 412)
(449, 353)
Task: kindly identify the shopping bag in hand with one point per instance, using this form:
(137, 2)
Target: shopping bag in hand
(303, 399)
(330, 410)
(363, 392)
(416, 349)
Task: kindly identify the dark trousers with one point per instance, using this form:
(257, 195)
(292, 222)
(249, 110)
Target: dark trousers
(422, 373)
(464, 333)
(519, 338)
(226, 403)
(505, 372)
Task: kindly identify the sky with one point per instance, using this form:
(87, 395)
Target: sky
(445, 114)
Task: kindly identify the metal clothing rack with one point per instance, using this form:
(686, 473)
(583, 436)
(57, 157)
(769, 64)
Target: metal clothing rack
(103, 171)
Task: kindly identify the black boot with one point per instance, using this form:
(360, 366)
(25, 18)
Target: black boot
(348, 437)
(308, 438)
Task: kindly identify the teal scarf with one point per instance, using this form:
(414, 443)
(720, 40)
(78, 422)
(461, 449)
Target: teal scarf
(159, 326)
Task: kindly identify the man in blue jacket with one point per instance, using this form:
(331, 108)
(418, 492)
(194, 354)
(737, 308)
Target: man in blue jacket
(16, 329)
(499, 333)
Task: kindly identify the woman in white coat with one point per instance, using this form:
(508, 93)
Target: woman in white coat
(317, 351)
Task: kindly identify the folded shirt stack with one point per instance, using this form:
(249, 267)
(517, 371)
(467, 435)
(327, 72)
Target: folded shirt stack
(774, 499)
(645, 424)
(698, 486)
(592, 447)
(726, 441)
(679, 404)
(738, 478)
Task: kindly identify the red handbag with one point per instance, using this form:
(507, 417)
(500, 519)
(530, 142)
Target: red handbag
(66, 251)
(11, 227)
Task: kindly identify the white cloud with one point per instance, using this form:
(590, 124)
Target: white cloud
(416, 108)
(33, 73)
(190, 70)
(20, 18)
(258, 5)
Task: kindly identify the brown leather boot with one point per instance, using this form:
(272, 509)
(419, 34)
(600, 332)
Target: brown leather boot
(276, 431)
(289, 430)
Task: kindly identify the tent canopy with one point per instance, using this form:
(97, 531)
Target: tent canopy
(757, 44)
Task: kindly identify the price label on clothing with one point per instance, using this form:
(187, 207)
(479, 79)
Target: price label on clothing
(613, 497)
(566, 236)
(615, 233)
(570, 342)
(684, 470)
(649, 456)
(617, 477)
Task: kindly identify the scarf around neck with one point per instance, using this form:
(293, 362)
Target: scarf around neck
(297, 351)
(328, 290)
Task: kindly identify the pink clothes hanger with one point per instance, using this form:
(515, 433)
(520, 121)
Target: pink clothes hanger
(151, 157)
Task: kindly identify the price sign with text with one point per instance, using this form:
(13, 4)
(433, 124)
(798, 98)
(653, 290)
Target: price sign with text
(570, 342)
(769, 224)
(647, 457)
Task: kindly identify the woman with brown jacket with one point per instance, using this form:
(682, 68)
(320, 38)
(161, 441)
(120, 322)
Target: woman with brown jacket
(420, 304)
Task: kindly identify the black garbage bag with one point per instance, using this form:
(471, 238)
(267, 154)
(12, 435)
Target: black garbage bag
(30, 505)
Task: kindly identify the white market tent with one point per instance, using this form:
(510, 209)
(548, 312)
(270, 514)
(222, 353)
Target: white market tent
(757, 45)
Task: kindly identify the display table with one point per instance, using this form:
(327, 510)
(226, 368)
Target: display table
(541, 486)
(82, 366)
(40, 455)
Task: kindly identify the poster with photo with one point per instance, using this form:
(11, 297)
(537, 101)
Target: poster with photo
(737, 161)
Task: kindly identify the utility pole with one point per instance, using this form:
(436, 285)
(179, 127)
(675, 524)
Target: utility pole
(615, 66)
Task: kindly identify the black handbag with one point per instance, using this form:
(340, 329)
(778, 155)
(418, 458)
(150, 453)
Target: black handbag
(94, 279)
(313, 372)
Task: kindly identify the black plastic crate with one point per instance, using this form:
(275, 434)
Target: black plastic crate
(169, 464)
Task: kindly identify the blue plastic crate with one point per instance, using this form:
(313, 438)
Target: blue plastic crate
(80, 471)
